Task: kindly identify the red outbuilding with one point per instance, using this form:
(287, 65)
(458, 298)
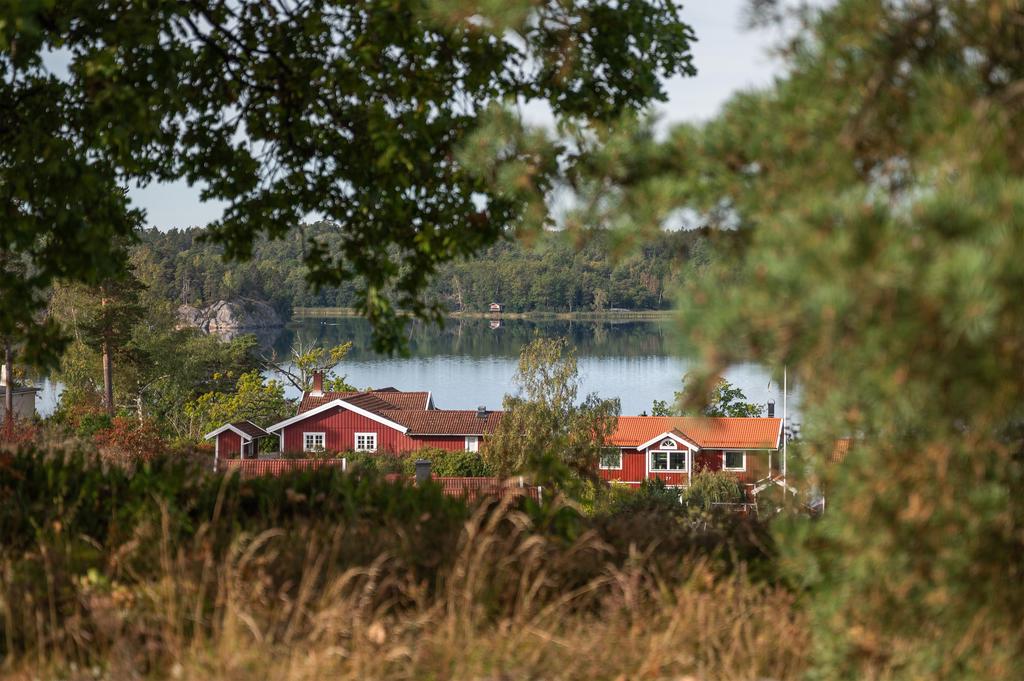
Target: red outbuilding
(239, 439)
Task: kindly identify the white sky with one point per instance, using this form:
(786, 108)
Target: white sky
(728, 59)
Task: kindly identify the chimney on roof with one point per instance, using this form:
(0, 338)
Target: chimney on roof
(318, 384)
(771, 408)
(481, 412)
(422, 471)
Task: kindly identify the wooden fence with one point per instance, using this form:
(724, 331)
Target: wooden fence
(472, 489)
(251, 468)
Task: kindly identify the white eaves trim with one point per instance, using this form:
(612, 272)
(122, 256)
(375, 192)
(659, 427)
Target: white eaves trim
(227, 426)
(686, 443)
(338, 403)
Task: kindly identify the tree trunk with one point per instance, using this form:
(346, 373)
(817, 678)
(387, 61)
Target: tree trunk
(9, 386)
(108, 380)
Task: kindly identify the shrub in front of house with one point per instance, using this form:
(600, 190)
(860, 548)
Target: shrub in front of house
(712, 487)
(448, 463)
(443, 462)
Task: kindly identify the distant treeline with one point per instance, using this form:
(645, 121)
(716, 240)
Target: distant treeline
(550, 276)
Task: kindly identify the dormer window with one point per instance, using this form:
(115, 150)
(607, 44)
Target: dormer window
(667, 443)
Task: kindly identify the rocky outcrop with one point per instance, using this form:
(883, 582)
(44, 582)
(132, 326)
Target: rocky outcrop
(226, 316)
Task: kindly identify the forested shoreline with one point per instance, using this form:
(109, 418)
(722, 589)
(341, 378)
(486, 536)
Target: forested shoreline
(551, 275)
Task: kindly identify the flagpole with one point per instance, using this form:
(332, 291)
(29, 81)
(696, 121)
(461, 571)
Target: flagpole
(785, 419)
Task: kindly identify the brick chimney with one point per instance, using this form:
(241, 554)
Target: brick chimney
(318, 384)
(481, 412)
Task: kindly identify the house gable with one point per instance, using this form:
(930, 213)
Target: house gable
(335, 404)
(339, 425)
(658, 441)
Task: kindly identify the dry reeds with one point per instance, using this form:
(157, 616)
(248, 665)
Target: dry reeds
(507, 606)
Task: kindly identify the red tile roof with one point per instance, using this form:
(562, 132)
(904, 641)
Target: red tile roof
(444, 421)
(715, 432)
(393, 399)
(251, 468)
(409, 409)
(474, 489)
(404, 400)
(313, 401)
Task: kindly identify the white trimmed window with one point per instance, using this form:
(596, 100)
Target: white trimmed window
(611, 459)
(472, 443)
(734, 461)
(366, 442)
(314, 442)
(673, 462)
(668, 443)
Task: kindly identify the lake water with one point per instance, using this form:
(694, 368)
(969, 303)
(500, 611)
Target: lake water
(467, 363)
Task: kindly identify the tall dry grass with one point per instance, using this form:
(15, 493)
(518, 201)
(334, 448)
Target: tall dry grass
(505, 607)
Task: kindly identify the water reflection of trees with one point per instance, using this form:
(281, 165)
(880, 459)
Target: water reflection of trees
(475, 338)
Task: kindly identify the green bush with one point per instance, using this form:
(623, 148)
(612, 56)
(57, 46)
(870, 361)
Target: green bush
(712, 487)
(91, 423)
(653, 515)
(447, 463)
(651, 495)
(443, 462)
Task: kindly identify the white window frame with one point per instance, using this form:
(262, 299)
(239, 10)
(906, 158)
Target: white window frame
(742, 468)
(357, 448)
(602, 467)
(668, 460)
(305, 441)
(667, 443)
(472, 443)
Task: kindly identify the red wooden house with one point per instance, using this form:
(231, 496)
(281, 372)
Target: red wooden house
(385, 420)
(673, 448)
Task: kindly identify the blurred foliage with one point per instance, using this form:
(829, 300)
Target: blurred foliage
(867, 218)
(357, 111)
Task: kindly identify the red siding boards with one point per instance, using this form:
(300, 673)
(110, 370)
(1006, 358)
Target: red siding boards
(756, 464)
(229, 444)
(632, 470)
(634, 467)
(340, 427)
(455, 443)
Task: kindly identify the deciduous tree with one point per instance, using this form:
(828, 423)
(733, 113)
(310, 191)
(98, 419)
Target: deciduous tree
(544, 423)
(307, 358)
(253, 399)
(357, 111)
(724, 399)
